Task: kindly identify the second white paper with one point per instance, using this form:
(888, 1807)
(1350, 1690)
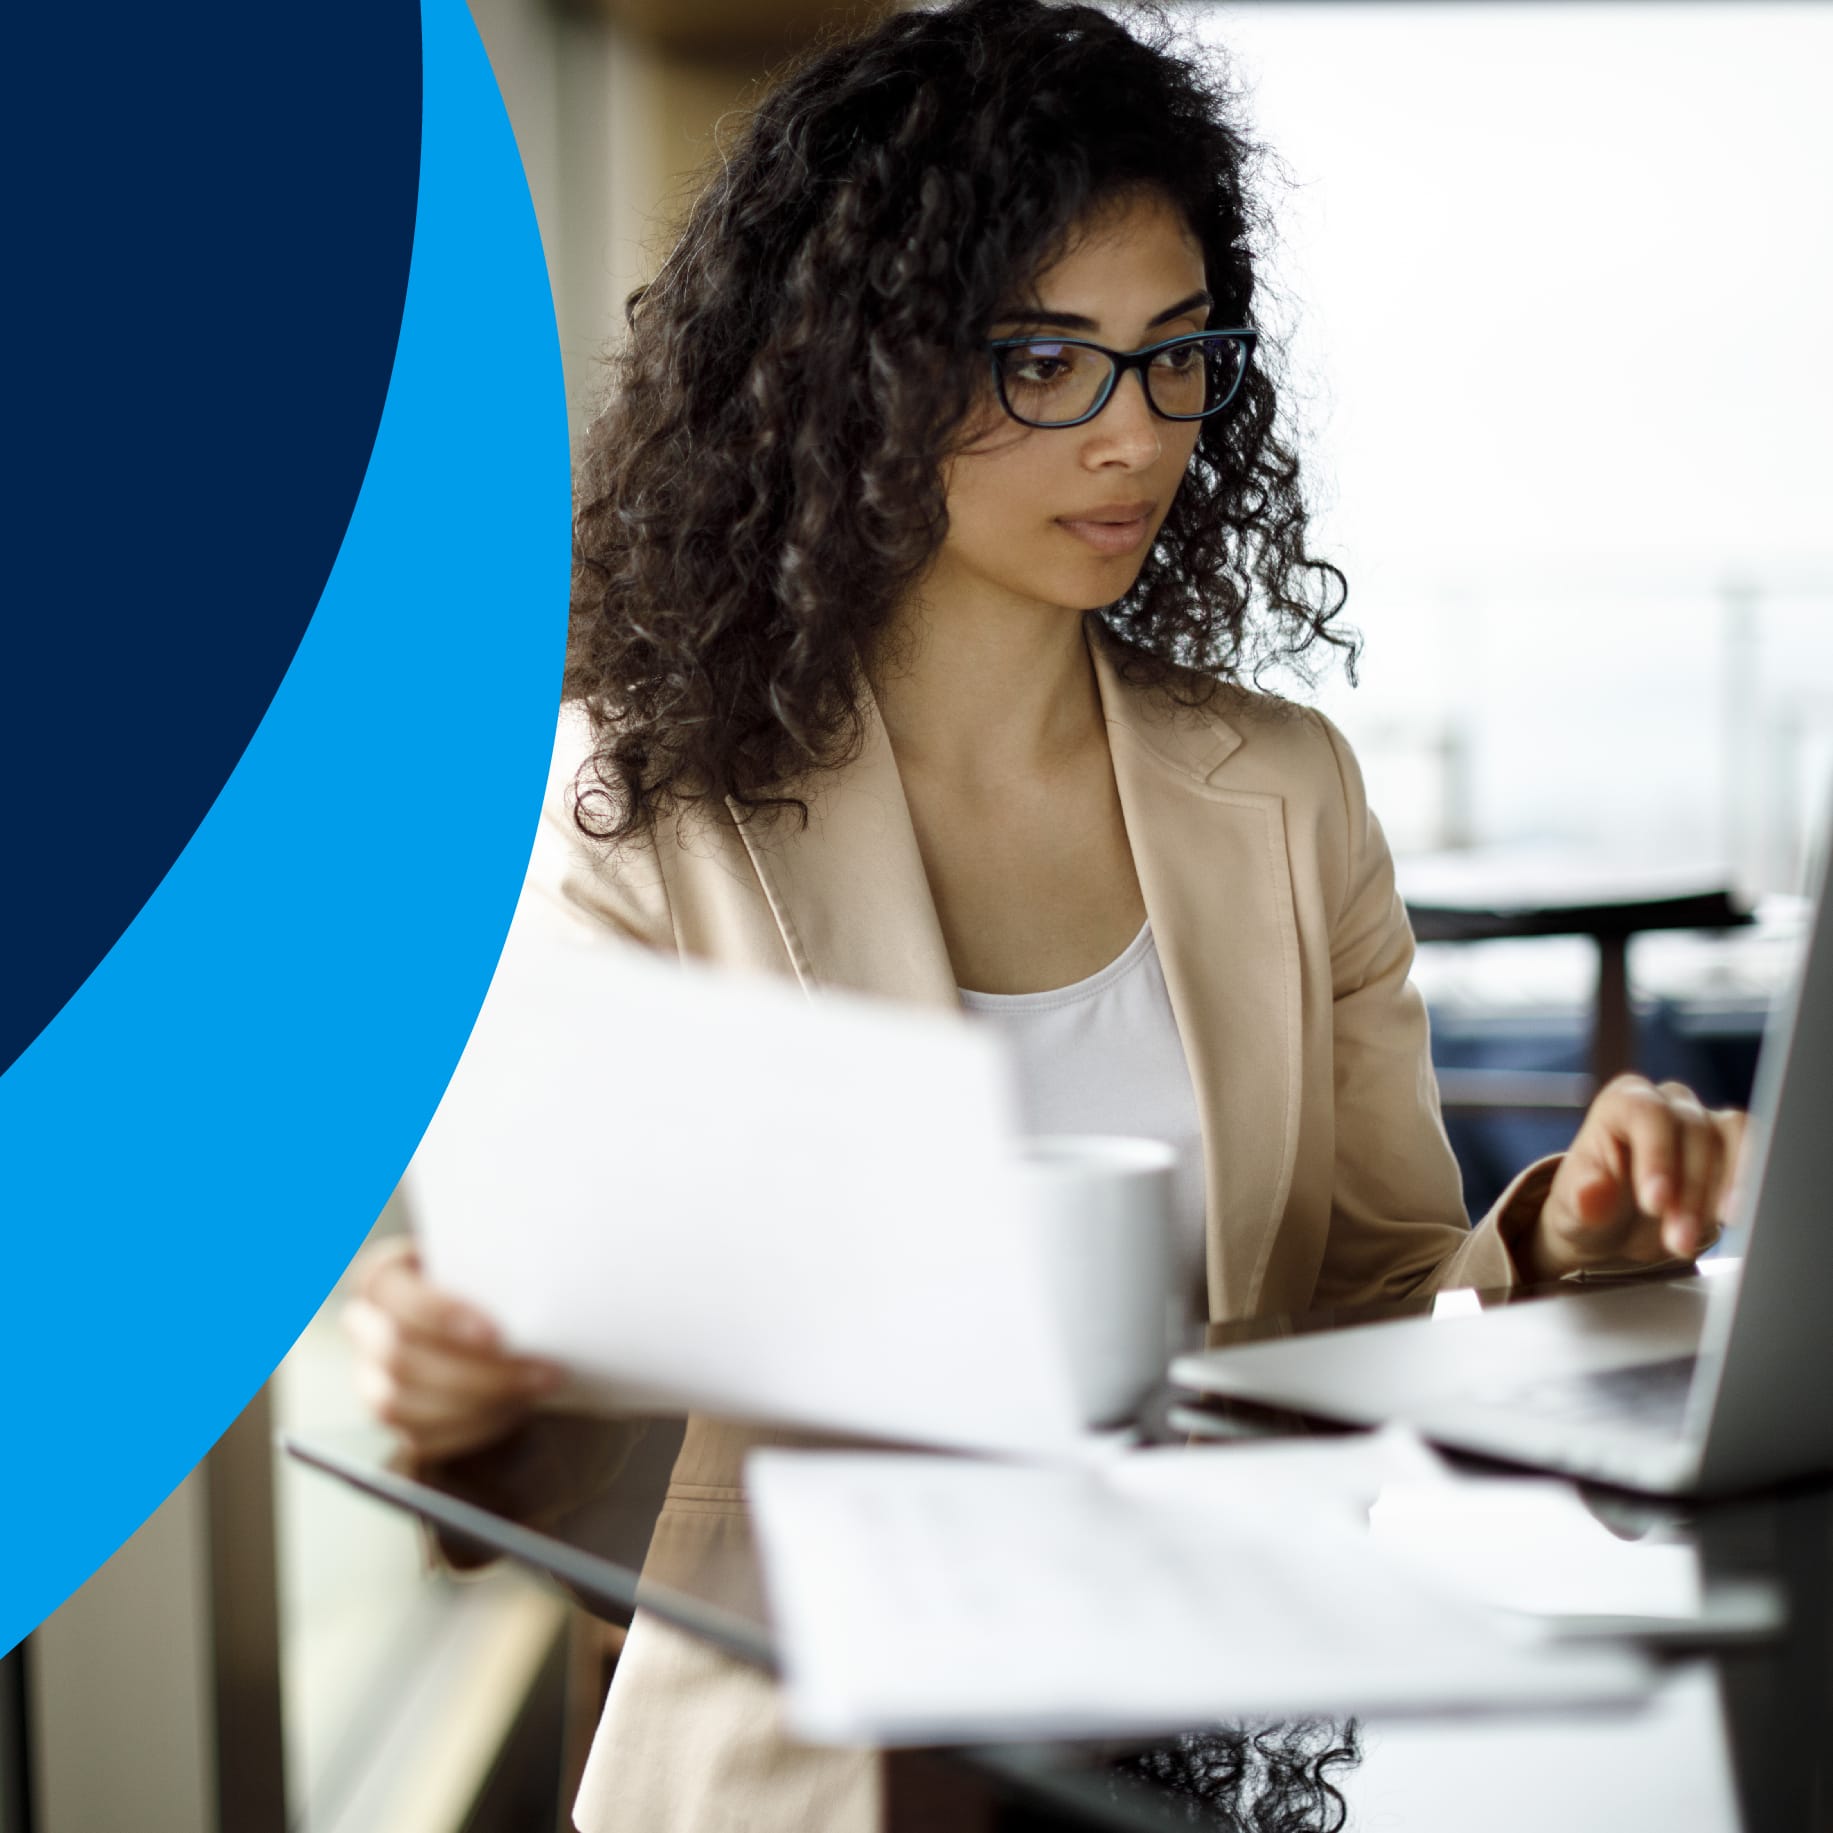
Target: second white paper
(933, 1600)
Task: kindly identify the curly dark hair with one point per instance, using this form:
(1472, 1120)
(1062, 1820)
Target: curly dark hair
(765, 485)
(1271, 1778)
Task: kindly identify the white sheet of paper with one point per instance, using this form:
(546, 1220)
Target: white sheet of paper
(1666, 1765)
(706, 1190)
(1533, 1546)
(922, 1600)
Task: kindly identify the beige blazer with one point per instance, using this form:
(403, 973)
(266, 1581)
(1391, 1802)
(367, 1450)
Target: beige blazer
(1285, 951)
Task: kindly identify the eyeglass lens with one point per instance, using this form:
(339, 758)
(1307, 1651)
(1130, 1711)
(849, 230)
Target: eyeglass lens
(1049, 383)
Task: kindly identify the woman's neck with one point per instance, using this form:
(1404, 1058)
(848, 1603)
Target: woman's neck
(976, 694)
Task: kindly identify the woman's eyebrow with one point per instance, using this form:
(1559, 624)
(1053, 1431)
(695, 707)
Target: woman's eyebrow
(1074, 321)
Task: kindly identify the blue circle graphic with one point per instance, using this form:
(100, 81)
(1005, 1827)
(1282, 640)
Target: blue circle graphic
(192, 1149)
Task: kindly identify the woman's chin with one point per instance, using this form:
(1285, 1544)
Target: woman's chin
(1101, 585)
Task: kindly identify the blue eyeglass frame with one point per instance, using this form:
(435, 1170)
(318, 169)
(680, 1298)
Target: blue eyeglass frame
(1121, 361)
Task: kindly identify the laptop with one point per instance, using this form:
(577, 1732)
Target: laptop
(1698, 1385)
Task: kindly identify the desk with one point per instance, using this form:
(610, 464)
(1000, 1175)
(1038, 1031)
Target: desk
(1489, 897)
(1739, 1738)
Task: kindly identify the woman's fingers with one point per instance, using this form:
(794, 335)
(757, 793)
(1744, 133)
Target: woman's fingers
(1688, 1224)
(432, 1367)
(1657, 1153)
(1647, 1177)
(1733, 1129)
(1620, 1158)
(394, 1283)
(410, 1405)
(440, 1402)
(430, 1432)
(422, 1364)
(1602, 1195)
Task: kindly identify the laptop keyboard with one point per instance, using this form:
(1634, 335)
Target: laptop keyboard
(1650, 1395)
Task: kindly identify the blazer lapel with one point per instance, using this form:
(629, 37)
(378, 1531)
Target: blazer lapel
(852, 901)
(1214, 874)
(848, 891)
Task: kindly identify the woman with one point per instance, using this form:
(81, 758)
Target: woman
(940, 517)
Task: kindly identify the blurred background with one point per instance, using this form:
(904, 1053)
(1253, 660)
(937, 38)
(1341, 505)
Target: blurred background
(1554, 280)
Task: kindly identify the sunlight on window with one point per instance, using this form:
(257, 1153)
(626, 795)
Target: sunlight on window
(1555, 281)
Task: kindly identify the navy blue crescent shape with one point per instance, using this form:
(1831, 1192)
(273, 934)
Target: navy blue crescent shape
(214, 217)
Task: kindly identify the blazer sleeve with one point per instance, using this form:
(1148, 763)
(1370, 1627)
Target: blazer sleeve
(1398, 1227)
(573, 878)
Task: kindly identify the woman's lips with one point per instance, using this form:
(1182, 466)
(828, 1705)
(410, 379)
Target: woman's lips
(1109, 534)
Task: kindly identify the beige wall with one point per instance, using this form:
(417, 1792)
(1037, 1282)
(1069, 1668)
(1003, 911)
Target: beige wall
(614, 119)
(112, 1746)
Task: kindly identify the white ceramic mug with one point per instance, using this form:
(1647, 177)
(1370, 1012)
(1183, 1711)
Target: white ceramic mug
(1102, 1206)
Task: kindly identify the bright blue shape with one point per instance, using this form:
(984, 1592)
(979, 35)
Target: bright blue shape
(193, 1149)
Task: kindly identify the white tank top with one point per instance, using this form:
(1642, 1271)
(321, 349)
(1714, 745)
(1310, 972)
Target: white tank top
(1104, 1056)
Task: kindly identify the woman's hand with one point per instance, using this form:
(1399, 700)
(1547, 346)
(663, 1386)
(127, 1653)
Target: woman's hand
(1647, 1179)
(432, 1367)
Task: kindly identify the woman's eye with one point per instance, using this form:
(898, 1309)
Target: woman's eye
(1035, 368)
(1185, 356)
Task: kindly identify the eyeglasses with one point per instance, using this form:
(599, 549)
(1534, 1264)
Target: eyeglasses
(1064, 381)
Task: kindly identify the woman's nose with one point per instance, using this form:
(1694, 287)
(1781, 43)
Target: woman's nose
(1126, 429)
